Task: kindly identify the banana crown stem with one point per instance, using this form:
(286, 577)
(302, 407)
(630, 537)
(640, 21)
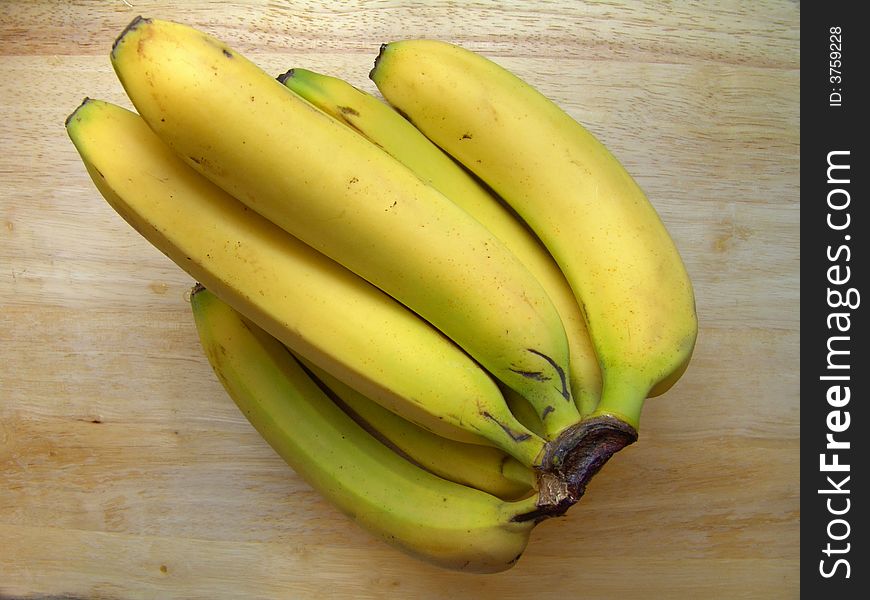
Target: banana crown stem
(571, 460)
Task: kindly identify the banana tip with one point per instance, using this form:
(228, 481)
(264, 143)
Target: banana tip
(133, 25)
(285, 76)
(72, 115)
(381, 51)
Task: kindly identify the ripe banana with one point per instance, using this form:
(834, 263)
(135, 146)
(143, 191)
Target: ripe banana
(388, 129)
(445, 523)
(316, 307)
(481, 467)
(345, 197)
(593, 217)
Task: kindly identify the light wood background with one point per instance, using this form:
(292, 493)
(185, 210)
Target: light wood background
(126, 472)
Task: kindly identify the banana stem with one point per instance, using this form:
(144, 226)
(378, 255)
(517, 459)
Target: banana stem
(572, 460)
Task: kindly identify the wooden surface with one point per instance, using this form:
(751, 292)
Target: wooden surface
(126, 472)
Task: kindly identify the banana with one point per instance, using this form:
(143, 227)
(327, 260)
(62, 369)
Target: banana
(522, 410)
(315, 306)
(385, 127)
(345, 197)
(592, 216)
(445, 523)
(481, 467)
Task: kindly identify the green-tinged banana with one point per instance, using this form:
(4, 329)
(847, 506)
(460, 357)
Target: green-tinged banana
(389, 130)
(589, 212)
(445, 523)
(312, 304)
(522, 410)
(487, 469)
(345, 197)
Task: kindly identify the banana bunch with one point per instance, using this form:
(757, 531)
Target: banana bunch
(444, 312)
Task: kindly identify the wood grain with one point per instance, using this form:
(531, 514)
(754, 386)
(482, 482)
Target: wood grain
(125, 470)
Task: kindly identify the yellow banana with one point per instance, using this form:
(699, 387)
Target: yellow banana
(345, 197)
(312, 304)
(481, 467)
(388, 129)
(445, 523)
(602, 230)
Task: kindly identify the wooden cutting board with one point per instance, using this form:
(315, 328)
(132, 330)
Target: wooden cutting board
(126, 471)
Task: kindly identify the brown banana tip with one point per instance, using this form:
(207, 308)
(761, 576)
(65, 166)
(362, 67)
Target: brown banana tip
(197, 288)
(69, 118)
(285, 76)
(381, 51)
(135, 23)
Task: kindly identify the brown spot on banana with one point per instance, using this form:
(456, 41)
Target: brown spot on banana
(514, 435)
(536, 375)
(565, 391)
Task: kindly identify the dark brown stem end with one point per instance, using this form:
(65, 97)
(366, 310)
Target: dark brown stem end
(573, 459)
